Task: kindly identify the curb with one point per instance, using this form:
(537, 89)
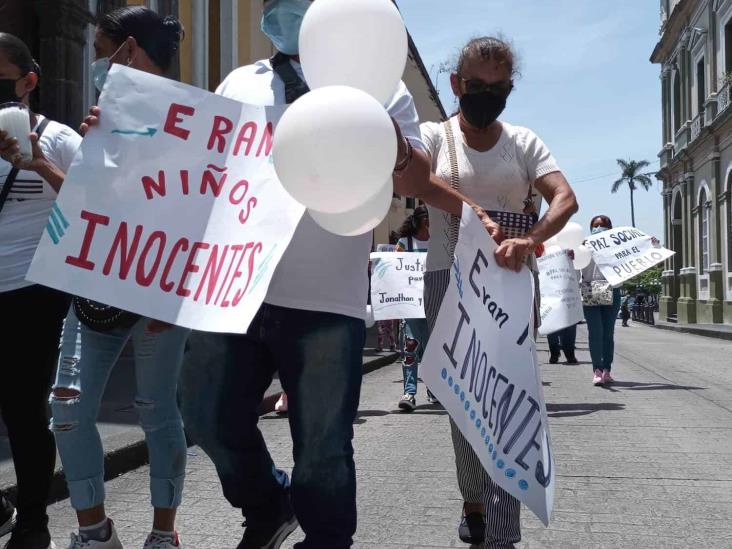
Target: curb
(132, 456)
(695, 331)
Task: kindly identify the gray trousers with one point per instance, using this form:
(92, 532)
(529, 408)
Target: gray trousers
(502, 510)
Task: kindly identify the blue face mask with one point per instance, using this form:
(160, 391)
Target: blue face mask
(596, 230)
(100, 68)
(281, 23)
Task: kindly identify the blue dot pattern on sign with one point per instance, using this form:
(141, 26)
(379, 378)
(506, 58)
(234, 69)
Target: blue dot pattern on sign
(444, 373)
(449, 381)
(494, 454)
(487, 440)
(457, 389)
(490, 448)
(472, 415)
(467, 405)
(523, 484)
(462, 396)
(510, 473)
(478, 423)
(500, 464)
(482, 432)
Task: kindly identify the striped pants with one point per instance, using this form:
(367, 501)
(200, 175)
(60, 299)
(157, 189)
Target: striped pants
(502, 510)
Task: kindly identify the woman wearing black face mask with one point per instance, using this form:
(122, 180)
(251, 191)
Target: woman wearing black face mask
(506, 170)
(35, 313)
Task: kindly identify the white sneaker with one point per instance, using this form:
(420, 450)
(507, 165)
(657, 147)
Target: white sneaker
(154, 541)
(112, 543)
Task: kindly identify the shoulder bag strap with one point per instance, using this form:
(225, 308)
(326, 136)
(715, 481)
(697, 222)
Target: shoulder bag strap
(294, 85)
(454, 182)
(15, 171)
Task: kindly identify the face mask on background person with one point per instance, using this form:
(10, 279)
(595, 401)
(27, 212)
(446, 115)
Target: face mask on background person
(599, 229)
(482, 109)
(7, 90)
(281, 23)
(100, 68)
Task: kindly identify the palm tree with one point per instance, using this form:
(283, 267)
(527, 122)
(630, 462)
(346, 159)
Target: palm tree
(630, 174)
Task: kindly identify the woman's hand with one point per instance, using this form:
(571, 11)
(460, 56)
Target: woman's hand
(10, 152)
(90, 121)
(493, 228)
(512, 253)
(158, 326)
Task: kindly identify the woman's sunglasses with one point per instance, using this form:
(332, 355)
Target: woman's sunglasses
(476, 85)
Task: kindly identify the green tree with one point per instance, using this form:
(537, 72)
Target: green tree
(648, 281)
(631, 175)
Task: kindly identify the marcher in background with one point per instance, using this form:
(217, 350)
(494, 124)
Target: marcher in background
(499, 166)
(30, 348)
(138, 37)
(387, 331)
(625, 310)
(563, 340)
(415, 238)
(601, 318)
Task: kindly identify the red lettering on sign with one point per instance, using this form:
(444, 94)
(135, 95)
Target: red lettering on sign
(252, 257)
(265, 145)
(246, 136)
(174, 118)
(180, 246)
(212, 272)
(221, 127)
(150, 185)
(82, 260)
(237, 274)
(126, 253)
(190, 267)
(143, 279)
(209, 180)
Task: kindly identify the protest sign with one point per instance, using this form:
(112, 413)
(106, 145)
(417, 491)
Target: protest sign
(481, 364)
(171, 208)
(397, 284)
(561, 301)
(625, 252)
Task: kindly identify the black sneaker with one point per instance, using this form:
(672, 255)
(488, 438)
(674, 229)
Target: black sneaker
(472, 529)
(553, 358)
(407, 403)
(571, 359)
(8, 516)
(30, 538)
(270, 536)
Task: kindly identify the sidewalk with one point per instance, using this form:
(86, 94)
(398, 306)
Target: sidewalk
(645, 463)
(122, 438)
(719, 331)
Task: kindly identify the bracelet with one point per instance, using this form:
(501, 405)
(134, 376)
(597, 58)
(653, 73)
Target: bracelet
(404, 163)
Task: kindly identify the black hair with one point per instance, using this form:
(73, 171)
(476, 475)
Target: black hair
(158, 36)
(605, 219)
(18, 54)
(494, 48)
(411, 223)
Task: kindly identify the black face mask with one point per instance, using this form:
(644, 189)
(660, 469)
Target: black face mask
(482, 109)
(7, 91)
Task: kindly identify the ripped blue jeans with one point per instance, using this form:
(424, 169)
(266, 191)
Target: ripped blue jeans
(85, 362)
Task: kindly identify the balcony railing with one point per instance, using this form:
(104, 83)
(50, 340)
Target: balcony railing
(723, 99)
(696, 126)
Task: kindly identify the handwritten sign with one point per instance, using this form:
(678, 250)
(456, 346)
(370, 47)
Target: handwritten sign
(561, 301)
(171, 207)
(481, 364)
(397, 284)
(625, 252)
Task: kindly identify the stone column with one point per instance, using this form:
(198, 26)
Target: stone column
(667, 303)
(61, 25)
(686, 305)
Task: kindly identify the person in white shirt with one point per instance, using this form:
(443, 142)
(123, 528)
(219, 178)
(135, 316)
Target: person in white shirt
(30, 347)
(506, 170)
(310, 329)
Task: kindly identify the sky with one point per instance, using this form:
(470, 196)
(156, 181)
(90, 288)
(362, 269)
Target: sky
(587, 87)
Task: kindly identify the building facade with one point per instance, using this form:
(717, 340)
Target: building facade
(220, 36)
(695, 55)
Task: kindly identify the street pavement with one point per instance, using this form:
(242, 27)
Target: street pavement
(644, 463)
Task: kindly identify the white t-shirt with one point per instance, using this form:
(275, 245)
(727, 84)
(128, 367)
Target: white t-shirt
(417, 244)
(497, 179)
(26, 210)
(319, 271)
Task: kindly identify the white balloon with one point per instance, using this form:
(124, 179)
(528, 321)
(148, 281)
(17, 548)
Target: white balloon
(358, 43)
(360, 220)
(369, 316)
(571, 236)
(582, 257)
(554, 248)
(551, 243)
(334, 148)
